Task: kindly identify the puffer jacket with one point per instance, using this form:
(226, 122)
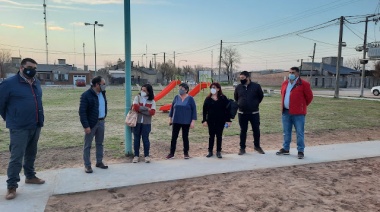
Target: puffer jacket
(21, 103)
(248, 97)
(89, 108)
(300, 97)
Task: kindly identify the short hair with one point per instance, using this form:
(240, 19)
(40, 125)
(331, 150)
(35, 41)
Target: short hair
(96, 80)
(185, 86)
(296, 69)
(25, 60)
(149, 88)
(245, 73)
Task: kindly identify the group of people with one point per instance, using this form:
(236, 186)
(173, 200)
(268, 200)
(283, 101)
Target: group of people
(21, 107)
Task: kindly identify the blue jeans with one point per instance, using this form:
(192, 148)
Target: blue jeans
(23, 145)
(299, 123)
(141, 131)
(98, 133)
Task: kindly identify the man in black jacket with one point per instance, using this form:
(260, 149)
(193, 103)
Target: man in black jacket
(92, 112)
(248, 96)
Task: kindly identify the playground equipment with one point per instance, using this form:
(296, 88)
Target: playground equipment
(192, 93)
(167, 89)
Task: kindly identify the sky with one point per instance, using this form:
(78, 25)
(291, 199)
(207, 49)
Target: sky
(267, 34)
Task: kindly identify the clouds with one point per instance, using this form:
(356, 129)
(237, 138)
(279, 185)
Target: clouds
(12, 26)
(56, 28)
(91, 2)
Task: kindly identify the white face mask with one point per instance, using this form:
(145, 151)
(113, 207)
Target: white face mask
(143, 94)
(213, 91)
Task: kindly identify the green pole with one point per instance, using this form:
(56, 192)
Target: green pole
(128, 88)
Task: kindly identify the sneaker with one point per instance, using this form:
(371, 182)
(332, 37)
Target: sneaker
(101, 165)
(34, 180)
(186, 156)
(170, 156)
(218, 155)
(300, 155)
(147, 159)
(241, 152)
(135, 159)
(282, 152)
(210, 154)
(259, 150)
(11, 194)
(88, 169)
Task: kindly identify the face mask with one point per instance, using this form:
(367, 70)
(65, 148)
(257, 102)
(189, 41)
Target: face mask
(181, 92)
(30, 73)
(213, 91)
(292, 77)
(143, 94)
(243, 81)
(103, 87)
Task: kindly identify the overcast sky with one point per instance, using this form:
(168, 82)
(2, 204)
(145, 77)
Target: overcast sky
(191, 28)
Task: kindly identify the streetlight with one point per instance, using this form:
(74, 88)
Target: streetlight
(95, 24)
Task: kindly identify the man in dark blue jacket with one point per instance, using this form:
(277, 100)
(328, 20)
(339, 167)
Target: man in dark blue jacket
(92, 112)
(21, 108)
(249, 96)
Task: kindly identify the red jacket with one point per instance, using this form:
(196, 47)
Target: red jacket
(300, 96)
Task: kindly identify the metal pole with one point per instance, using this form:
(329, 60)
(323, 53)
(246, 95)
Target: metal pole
(128, 88)
(220, 58)
(46, 39)
(336, 94)
(312, 67)
(364, 54)
(95, 45)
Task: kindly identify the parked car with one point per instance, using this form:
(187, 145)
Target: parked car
(375, 90)
(235, 84)
(80, 83)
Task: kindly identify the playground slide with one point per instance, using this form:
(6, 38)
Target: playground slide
(192, 93)
(167, 89)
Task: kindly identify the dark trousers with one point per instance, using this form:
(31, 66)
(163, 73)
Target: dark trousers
(185, 137)
(215, 129)
(141, 131)
(23, 145)
(254, 119)
(98, 133)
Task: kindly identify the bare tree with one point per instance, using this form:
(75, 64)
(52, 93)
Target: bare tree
(168, 70)
(376, 72)
(5, 59)
(353, 62)
(230, 58)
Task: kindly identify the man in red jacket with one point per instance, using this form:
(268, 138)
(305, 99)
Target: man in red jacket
(296, 96)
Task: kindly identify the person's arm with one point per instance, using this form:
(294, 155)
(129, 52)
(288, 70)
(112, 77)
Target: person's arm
(205, 110)
(308, 93)
(260, 93)
(4, 96)
(83, 105)
(236, 96)
(148, 111)
(135, 104)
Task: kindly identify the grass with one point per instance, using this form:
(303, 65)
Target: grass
(63, 129)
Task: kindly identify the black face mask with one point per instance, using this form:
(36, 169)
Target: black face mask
(243, 81)
(29, 72)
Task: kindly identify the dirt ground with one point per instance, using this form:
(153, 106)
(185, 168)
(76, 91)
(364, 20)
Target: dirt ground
(337, 186)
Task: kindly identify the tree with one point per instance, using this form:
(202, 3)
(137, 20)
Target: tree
(376, 73)
(353, 62)
(230, 58)
(5, 60)
(168, 70)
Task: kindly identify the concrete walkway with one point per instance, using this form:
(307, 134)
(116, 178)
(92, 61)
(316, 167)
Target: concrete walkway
(71, 180)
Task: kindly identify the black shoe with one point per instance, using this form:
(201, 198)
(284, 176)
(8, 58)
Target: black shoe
(300, 155)
(259, 150)
(218, 155)
(209, 154)
(241, 152)
(101, 165)
(88, 169)
(282, 152)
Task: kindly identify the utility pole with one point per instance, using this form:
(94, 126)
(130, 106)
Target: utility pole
(84, 57)
(220, 58)
(312, 67)
(301, 66)
(174, 58)
(164, 57)
(364, 54)
(146, 54)
(336, 95)
(154, 60)
(46, 41)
